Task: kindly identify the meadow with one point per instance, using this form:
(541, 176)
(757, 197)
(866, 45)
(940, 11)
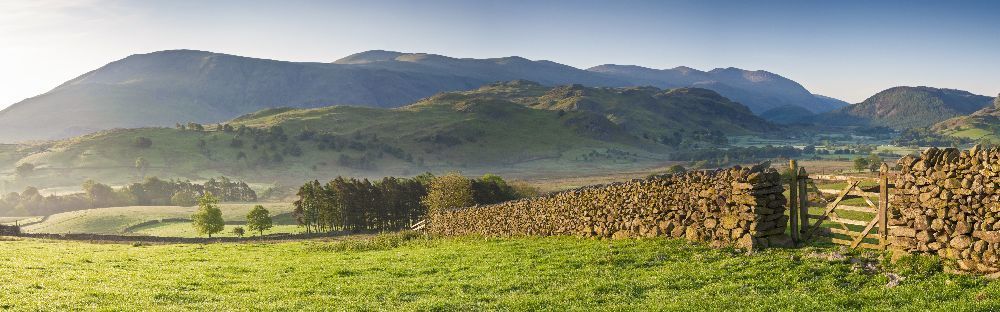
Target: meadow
(119, 220)
(411, 272)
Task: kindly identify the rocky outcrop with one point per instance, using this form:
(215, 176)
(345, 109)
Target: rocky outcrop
(739, 207)
(946, 202)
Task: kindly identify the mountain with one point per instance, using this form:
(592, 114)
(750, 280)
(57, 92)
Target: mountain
(908, 107)
(760, 90)
(178, 86)
(984, 123)
(163, 88)
(518, 125)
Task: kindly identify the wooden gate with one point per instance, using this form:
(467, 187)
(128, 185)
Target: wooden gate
(837, 221)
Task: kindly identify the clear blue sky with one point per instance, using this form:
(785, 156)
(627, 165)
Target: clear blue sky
(844, 49)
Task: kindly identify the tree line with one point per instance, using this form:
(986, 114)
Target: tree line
(350, 204)
(151, 192)
(715, 157)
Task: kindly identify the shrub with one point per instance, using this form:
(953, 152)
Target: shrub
(448, 192)
(384, 241)
(143, 142)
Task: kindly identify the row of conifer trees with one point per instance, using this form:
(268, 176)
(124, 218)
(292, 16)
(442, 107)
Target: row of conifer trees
(351, 204)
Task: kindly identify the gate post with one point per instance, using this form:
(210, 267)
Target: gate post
(883, 206)
(803, 201)
(793, 200)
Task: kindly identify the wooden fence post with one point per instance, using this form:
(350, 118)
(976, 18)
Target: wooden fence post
(793, 200)
(803, 201)
(883, 206)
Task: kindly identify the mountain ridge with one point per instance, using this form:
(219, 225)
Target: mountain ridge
(177, 86)
(758, 86)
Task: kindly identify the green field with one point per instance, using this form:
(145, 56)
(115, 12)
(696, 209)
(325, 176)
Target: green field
(464, 274)
(116, 220)
(185, 229)
(18, 220)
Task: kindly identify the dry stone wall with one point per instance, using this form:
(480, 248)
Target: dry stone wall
(947, 202)
(6, 230)
(739, 207)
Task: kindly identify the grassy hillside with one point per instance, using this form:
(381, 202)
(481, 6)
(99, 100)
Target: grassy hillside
(908, 107)
(517, 126)
(450, 274)
(116, 220)
(982, 124)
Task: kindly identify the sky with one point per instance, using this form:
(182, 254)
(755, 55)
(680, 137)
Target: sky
(844, 49)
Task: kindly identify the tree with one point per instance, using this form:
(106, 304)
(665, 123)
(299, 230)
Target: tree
(239, 231)
(100, 195)
(140, 166)
(25, 169)
(491, 189)
(676, 169)
(208, 219)
(860, 163)
(184, 198)
(448, 192)
(143, 142)
(307, 207)
(259, 219)
(874, 162)
(809, 149)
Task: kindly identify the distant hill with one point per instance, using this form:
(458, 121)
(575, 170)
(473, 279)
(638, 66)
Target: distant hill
(984, 123)
(908, 107)
(163, 88)
(508, 125)
(760, 90)
(167, 87)
(485, 70)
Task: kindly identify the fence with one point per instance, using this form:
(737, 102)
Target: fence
(839, 221)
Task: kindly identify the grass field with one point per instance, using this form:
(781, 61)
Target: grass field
(465, 274)
(116, 220)
(13, 220)
(185, 229)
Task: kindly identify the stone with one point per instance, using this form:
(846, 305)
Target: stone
(960, 242)
(902, 231)
(781, 241)
(934, 246)
(710, 223)
(991, 237)
(923, 236)
(692, 234)
(963, 228)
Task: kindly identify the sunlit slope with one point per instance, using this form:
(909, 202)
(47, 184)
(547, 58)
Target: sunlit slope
(982, 124)
(117, 220)
(497, 126)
